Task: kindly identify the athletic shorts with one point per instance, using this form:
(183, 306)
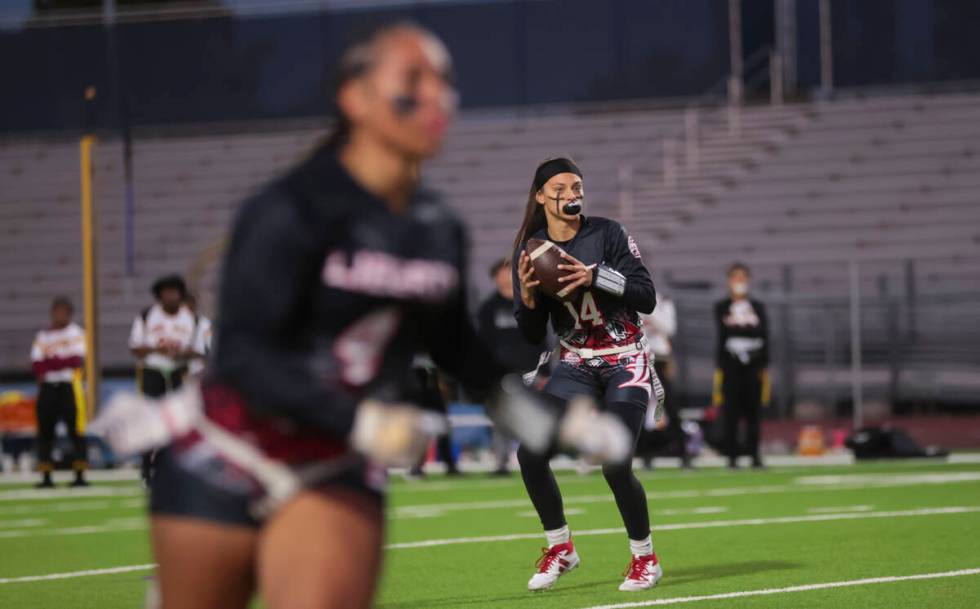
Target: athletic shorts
(193, 480)
(630, 381)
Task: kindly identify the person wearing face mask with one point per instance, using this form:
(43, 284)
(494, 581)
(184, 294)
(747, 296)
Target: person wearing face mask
(741, 360)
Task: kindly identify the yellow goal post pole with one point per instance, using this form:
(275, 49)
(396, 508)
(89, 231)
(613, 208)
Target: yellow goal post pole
(89, 255)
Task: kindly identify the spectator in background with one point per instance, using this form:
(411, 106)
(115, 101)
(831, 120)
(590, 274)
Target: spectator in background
(497, 327)
(659, 329)
(57, 356)
(741, 360)
(162, 341)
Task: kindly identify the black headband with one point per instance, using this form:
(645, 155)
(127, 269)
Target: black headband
(550, 169)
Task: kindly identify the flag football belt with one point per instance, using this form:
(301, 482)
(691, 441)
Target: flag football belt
(585, 353)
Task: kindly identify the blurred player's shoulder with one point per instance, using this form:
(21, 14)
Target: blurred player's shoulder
(429, 206)
(310, 193)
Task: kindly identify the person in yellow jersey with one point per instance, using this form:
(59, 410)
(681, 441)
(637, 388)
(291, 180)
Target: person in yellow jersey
(57, 355)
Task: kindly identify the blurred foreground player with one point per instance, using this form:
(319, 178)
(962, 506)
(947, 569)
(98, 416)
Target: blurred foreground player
(741, 359)
(335, 276)
(603, 355)
(56, 359)
(201, 345)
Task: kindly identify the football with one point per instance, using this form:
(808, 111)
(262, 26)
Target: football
(545, 258)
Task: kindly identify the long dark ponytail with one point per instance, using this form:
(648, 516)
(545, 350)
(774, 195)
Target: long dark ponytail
(534, 218)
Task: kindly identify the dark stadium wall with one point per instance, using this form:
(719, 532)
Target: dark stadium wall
(509, 53)
(886, 42)
(245, 68)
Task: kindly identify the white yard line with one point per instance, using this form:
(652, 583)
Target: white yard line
(840, 509)
(22, 523)
(112, 526)
(889, 479)
(582, 533)
(807, 484)
(123, 474)
(136, 524)
(704, 509)
(74, 506)
(31, 494)
(568, 512)
(71, 574)
(790, 589)
(963, 458)
(708, 524)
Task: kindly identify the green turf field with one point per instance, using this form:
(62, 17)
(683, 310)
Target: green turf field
(717, 533)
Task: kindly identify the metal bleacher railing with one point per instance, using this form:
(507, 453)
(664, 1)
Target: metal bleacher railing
(799, 191)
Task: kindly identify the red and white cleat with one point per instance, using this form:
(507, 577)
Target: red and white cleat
(554, 562)
(642, 573)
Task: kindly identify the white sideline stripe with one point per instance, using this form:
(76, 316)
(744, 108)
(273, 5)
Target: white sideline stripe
(20, 524)
(118, 526)
(93, 475)
(889, 479)
(963, 458)
(73, 493)
(135, 524)
(757, 521)
(708, 524)
(790, 589)
(71, 574)
(820, 484)
(58, 507)
(704, 509)
(839, 509)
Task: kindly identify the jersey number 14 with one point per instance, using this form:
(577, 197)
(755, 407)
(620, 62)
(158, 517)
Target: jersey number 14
(588, 311)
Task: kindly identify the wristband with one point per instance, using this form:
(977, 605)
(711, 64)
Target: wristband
(609, 280)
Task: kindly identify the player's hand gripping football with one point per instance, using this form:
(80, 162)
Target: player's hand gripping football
(394, 434)
(577, 274)
(525, 274)
(133, 424)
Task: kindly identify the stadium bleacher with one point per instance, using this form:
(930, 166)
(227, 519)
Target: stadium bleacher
(883, 180)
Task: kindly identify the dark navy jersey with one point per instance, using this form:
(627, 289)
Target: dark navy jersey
(596, 318)
(327, 295)
(743, 334)
(498, 329)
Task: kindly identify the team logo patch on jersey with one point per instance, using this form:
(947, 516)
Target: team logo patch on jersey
(634, 248)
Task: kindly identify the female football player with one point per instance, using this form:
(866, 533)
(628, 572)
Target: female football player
(601, 354)
(336, 275)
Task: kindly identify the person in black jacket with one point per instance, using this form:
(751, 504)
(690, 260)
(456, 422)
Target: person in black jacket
(499, 331)
(336, 275)
(741, 360)
(602, 354)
